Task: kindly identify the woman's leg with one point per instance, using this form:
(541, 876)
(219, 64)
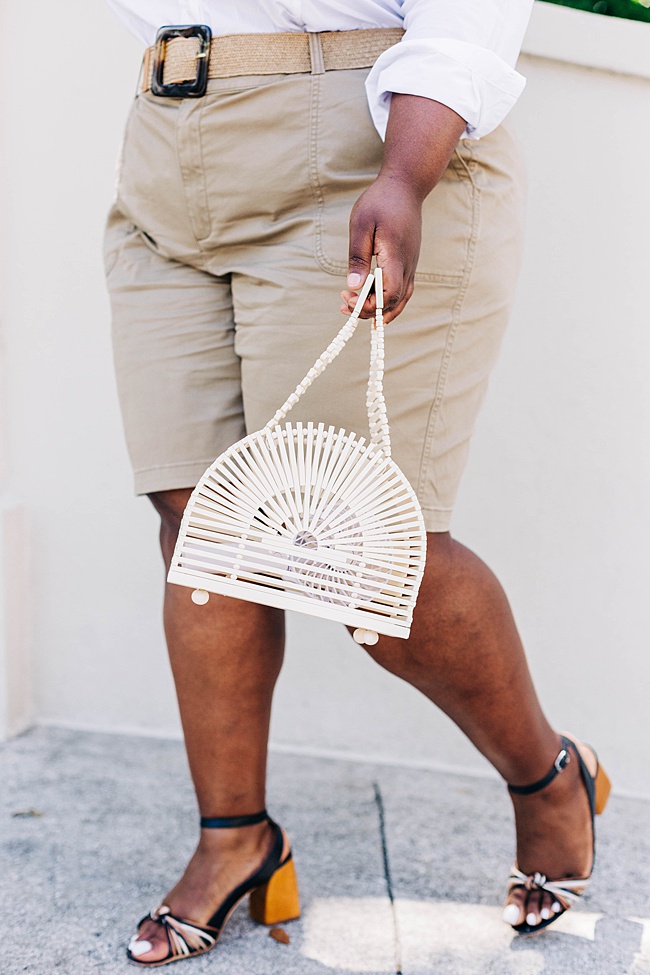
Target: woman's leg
(225, 659)
(465, 655)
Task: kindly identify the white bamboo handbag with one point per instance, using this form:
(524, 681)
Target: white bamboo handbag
(310, 518)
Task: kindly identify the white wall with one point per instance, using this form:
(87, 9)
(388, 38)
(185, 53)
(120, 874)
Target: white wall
(556, 493)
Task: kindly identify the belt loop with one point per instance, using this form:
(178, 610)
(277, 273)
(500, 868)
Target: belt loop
(316, 53)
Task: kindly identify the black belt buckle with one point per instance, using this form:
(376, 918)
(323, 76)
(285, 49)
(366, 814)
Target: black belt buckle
(182, 89)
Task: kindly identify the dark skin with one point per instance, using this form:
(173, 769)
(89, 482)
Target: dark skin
(226, 656)
(386, 220)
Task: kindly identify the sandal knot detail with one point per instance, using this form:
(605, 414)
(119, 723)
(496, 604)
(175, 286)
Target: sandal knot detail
(274, 899)
(565, 892)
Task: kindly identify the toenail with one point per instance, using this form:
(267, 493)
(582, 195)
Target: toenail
(140, 947)
(556, 906)
(545, 913)
(531, 919)
(511, 914)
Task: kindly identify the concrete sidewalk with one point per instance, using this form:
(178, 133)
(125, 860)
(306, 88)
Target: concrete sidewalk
(117, 823)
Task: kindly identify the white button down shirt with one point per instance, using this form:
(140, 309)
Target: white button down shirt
(458, 52)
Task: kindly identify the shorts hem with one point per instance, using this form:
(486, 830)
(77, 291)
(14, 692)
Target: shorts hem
(170, 477)
(437, 519)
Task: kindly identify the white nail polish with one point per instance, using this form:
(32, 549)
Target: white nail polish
(531, 919)
(545, 913)
(556, 907)
(140, 947)
(511, 914)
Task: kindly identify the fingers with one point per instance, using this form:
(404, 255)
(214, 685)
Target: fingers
(361, 250)
(385, 223)
(349, 300)
(368, 241)
(394, 302)
(396, 294)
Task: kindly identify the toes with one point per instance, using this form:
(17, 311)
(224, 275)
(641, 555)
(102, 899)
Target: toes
(532, 919)
(533, 908)
(514, 910)
(546, 909)
(512, 914)
(529, 907)
(147, 946)
(137, 947)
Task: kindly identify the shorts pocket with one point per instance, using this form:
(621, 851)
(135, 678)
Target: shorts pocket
(117, 232)
(346, 154)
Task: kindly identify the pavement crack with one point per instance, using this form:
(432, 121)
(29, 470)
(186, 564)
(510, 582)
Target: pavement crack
(379, 802)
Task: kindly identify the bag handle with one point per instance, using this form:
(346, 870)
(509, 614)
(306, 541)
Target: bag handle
(375, 403)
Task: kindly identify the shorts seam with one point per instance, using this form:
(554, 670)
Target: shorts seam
(189, 194)
(169, 467)
(204, 185)
(434, 510)
(434, 412)
(437, 520)
(314, 180)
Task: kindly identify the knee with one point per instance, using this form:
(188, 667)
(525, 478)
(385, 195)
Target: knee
(438, 610)
(440, 553)
(170, 505)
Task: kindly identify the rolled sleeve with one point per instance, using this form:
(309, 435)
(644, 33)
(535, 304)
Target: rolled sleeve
(473, 81)
(461, 53)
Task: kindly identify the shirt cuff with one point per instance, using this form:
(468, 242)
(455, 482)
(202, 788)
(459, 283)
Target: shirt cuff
(474, 81)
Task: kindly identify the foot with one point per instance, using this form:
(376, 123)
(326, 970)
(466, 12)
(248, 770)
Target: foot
(222, 860)
(554, 837)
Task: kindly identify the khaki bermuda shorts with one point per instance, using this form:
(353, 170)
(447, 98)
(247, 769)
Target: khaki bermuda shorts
(226, 250)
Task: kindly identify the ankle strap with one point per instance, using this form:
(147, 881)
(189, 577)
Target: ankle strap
(560, 763)
(230, 822)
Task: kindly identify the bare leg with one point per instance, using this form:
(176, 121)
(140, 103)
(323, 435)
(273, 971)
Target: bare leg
(464, 654)
(225, 658)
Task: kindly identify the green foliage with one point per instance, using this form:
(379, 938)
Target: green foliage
(630, 9)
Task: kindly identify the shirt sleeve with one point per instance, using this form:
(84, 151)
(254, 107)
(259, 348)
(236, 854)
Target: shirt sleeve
(461, 53)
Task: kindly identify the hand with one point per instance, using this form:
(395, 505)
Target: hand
(386, 221)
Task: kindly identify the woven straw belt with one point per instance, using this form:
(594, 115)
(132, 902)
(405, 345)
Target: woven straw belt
(236, 55)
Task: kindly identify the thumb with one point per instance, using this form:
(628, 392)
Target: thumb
(362, 242)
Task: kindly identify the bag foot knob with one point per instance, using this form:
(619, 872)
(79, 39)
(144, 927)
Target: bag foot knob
(369, 637)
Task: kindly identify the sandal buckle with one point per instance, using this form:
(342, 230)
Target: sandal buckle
(562, 760)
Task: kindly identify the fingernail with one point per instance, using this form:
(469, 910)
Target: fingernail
(511, 914)
(531, 919)
(354, 280)
(545, 913)
(140, 947)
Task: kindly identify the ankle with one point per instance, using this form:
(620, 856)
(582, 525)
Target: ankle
(534, 763)
(235, 840)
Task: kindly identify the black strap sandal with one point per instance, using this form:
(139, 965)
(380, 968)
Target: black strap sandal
(568, 891)
(273, 893)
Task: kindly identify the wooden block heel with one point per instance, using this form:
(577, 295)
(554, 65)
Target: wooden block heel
(277, 900)
(603, 789)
